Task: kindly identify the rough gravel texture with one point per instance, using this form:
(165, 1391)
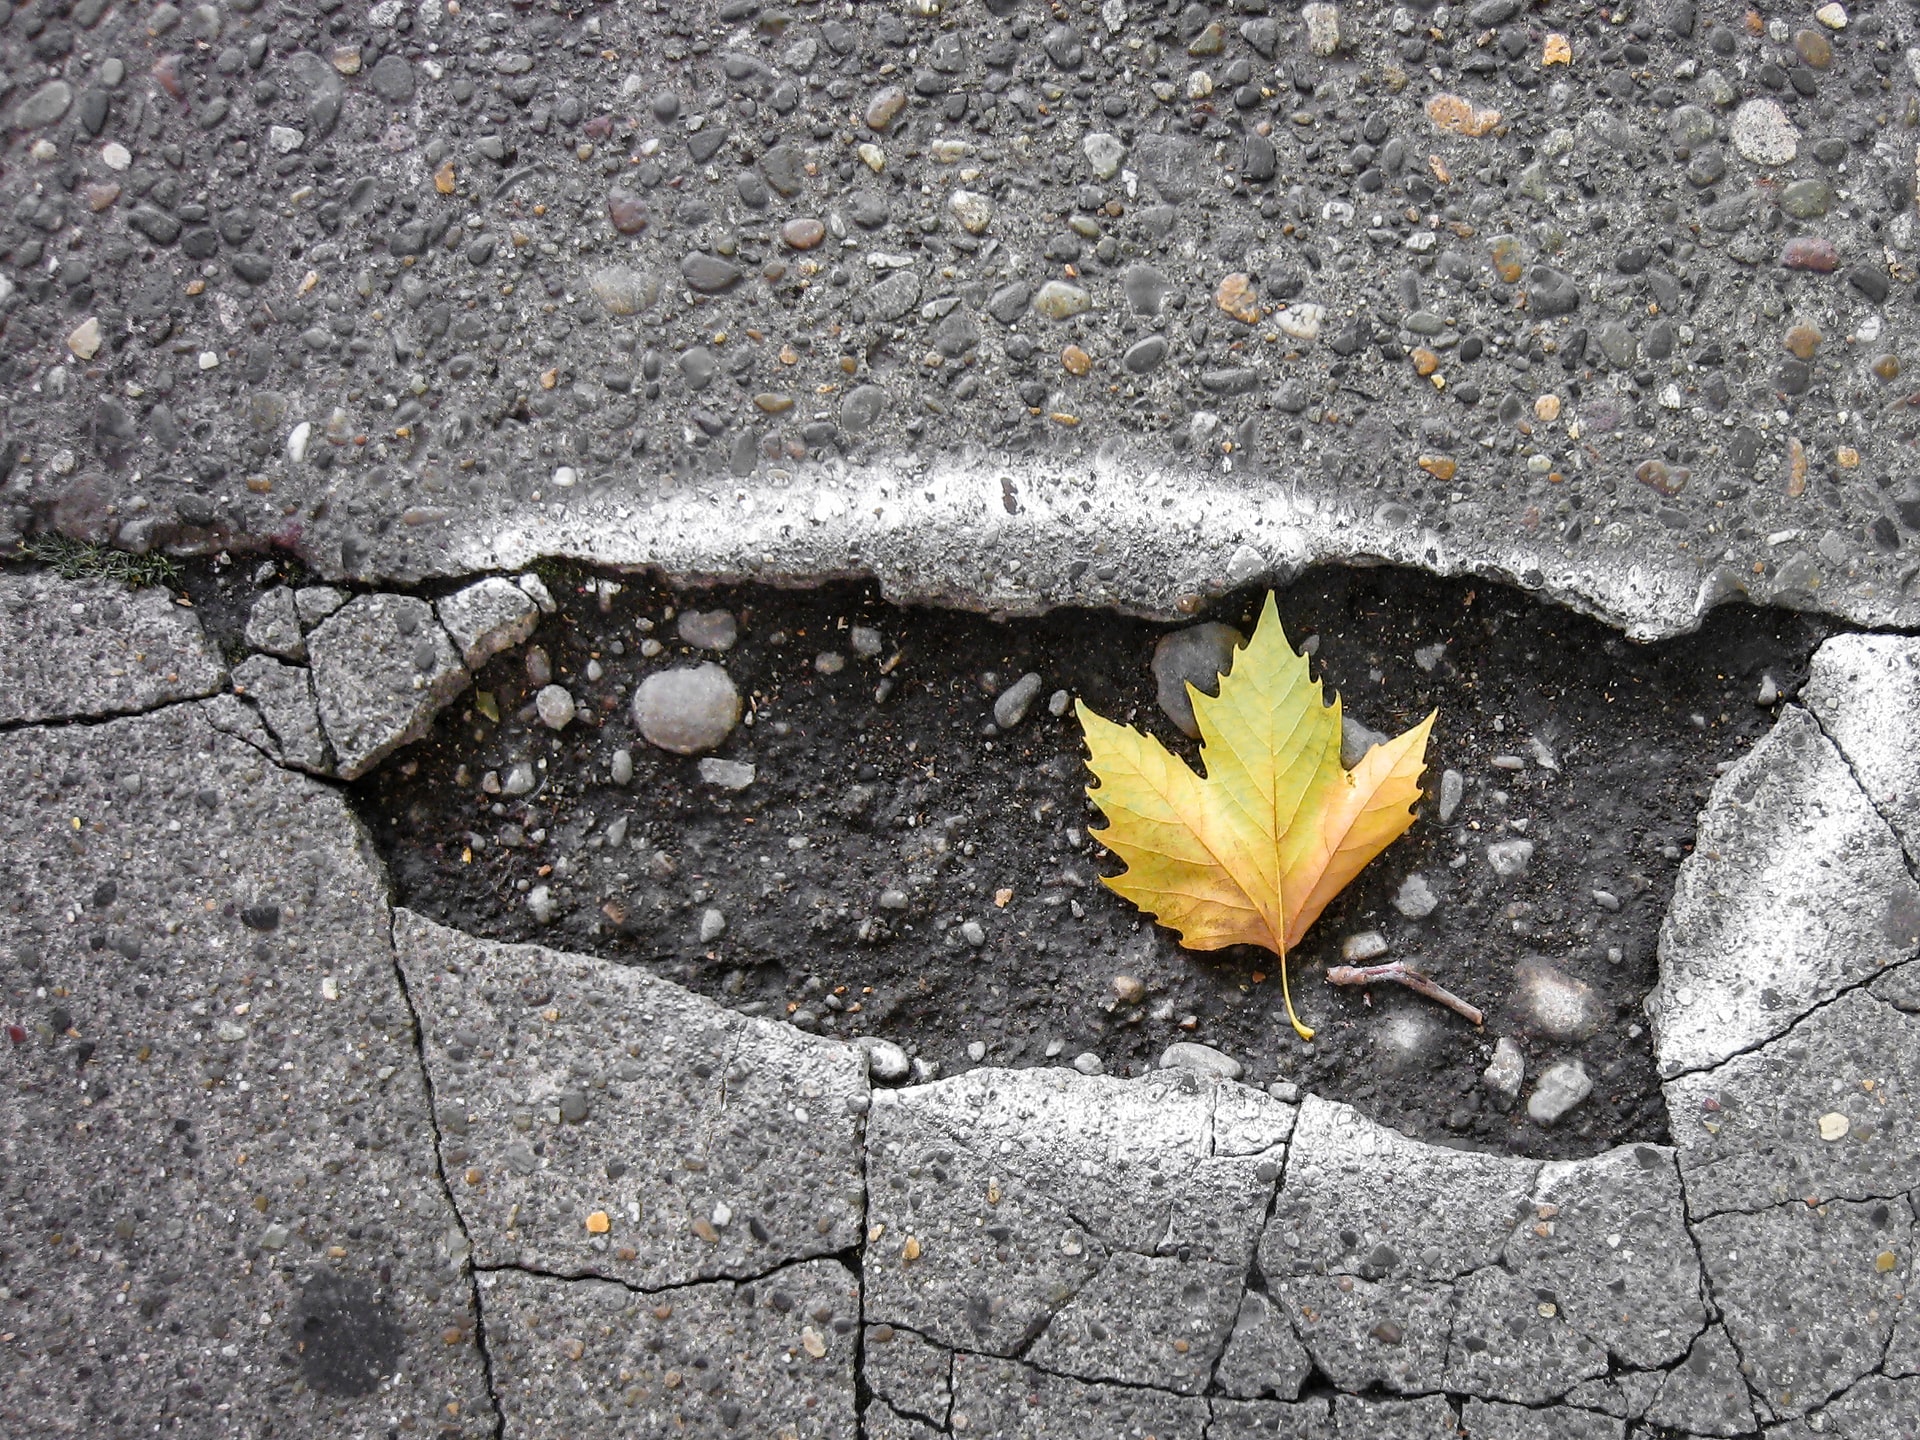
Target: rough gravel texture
(1614, 301)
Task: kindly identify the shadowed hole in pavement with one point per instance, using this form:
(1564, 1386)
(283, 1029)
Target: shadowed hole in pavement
(898, 867)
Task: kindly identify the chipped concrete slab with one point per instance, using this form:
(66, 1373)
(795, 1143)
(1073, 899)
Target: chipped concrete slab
(1427, 1418)
(213, 1118)
(1272, 1420)
(592, 1358)
(487, 617)
(1483, 1420)
(1865, 692)
(1795, 891)
(1363, 1199)
(908, 1371)
(1878, 1408)
(1705, 1394)
(1607, 1240)
(273, 626)
(382, 669)
(566, 1088)
(1826, 1111)
(1417, 1268)
(283, 694)
(81, 649)
(880, 1421)
(1012, 1401)
(1152, 1316)
(1808, 1294)
(1263, 1357)
(1511, 1344)
(1103, 1227)
(1371, 1335)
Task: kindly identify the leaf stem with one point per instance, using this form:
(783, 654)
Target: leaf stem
(1287, 994)
(1406, 975)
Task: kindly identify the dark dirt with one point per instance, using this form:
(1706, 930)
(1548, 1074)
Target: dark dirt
(856, 795)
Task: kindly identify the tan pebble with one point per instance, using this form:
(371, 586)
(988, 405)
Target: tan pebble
(885, 107)
(84, 339)
(803, 233)
(1504, 253)
(1236, 297)
(1450, 112)
(1546, 407)
(772, 404)
(671, 1380)
(598, 1223)
(704, 1229)
(910, 1250)
(1077, 361)
(1887, 367)
(1441, 467)
(1556, 51)
(1885, 1261)
(662, 1310)
(1803, 340)
(813, 1342)
(575, 1349)
(444, 178)
(1425, 362)
(1847, 458)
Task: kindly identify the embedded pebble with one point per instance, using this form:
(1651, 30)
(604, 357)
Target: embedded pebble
(1453, 788)
(1762, 133)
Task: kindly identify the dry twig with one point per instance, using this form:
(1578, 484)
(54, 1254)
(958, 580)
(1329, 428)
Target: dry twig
(1406, 975)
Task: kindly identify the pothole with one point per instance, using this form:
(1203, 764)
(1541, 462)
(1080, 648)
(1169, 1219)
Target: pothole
(900, 866)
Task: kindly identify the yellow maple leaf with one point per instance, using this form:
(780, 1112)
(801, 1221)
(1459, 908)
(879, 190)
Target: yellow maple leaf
(1254, 851)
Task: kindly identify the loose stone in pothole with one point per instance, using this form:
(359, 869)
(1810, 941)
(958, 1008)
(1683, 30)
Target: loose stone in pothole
(1561, 1088)
(688, 709)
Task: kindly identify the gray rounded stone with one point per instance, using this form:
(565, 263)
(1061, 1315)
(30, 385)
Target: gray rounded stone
(1201, 1060)
(555, 706)
(1058, 300)
(709, 629)
(392, 79)
(687, 710)
(1555, 1003)
(1561, 1088)
(1197, 656)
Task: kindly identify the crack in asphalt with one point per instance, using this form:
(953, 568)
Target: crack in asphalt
(758, 1277)
(90, 722)
(480, 1339)
(1899, 840)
